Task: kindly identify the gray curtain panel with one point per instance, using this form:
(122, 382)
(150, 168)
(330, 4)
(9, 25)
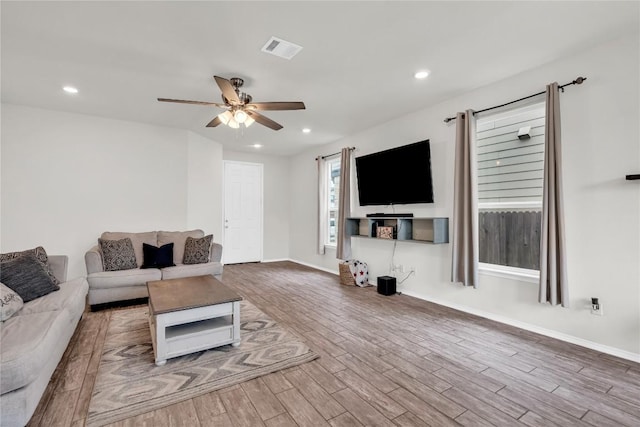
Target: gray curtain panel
(554, 288)
(323, 219)
(464, 262)
(343, 248)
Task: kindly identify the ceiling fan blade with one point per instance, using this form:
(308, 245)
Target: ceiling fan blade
(276, 106)
(227, 90)
(263, 120)
(215, 122)
(184, 101)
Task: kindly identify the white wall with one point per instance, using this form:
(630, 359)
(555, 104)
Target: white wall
(204, 195)
(67, 177)
(600, 123)
(276, 201)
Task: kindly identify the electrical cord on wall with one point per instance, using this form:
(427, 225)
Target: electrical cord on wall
(395, 243)
(407, 276)
(393, 254)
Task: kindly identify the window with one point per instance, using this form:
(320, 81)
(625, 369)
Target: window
(333, 189)
(510, 175)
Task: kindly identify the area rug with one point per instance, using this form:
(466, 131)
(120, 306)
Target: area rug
(129, 383)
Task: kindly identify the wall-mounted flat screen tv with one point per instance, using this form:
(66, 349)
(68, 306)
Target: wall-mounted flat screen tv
(398, 176)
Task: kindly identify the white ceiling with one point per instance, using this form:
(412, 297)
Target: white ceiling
(355, 70)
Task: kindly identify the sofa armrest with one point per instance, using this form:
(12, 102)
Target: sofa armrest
(58, 264)
(93, 260)
(215, 254)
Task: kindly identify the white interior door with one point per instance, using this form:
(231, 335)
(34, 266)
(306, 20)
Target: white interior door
(242, 212)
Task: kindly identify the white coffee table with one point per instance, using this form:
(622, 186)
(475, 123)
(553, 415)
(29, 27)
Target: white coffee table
(191, 314)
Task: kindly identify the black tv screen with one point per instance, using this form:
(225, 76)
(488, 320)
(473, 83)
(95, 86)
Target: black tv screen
(398, 176)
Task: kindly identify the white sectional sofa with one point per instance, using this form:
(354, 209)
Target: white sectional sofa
(33, 342)
(110, 286)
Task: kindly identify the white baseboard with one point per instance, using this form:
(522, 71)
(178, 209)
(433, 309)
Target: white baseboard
(316, 267)
(276, 260)
(623, 354)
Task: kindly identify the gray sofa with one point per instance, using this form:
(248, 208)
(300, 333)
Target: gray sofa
(110, 286)
(33, 342)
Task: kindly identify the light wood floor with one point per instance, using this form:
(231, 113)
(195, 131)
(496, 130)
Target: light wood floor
(384, 361)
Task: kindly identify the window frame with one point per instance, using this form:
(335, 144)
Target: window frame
(498, 270)
(329, 163)
(508, 272)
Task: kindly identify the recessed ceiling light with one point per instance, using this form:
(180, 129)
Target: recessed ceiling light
(306, 130)
(421, 74)
(70, 89)
(256, 145)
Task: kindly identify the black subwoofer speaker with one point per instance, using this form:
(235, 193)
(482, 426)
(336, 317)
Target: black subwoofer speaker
(386, 285)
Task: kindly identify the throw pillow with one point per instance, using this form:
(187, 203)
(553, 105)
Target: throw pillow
(10, 302)
(27, 277)
(157, 257)
(39, 253)
(196, 251)
(118, 254)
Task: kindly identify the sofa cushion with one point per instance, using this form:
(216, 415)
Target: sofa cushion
(137, 239)
(213, 268)
(117, 254)
(26, 345)
(27, 277)
(178, 238)
(39, 253)
(69, 293)
(114, 279)
(157, 257)
(10, 302)
(196, 251)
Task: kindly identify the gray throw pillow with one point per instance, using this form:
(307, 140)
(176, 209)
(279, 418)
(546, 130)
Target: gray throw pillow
(10, 302)
(118, 254)
(196, 251)
(27, 277)
(39, 253)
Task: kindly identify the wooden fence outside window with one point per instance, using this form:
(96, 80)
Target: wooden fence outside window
(510, 238)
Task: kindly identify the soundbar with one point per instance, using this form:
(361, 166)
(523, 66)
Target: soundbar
(390, 215)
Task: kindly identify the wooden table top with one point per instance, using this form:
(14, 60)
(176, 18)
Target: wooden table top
(185, 293)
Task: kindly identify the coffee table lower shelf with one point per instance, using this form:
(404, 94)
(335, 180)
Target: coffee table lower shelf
(187, 331)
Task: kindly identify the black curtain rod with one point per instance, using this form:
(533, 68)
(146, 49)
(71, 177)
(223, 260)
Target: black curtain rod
(577, 81)
(333, 154)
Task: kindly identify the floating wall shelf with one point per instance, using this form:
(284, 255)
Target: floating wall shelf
(408, 229)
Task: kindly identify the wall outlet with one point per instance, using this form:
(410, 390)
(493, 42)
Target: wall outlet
(596, 307)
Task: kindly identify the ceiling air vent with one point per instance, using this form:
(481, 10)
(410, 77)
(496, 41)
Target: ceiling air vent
(281, 48)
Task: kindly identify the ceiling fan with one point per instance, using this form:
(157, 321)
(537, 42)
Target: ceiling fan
(238, 106)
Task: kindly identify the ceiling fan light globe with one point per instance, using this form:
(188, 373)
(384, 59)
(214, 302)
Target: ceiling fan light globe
(233, 124)
(240, 116)
(249, 121)
(225, 117)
